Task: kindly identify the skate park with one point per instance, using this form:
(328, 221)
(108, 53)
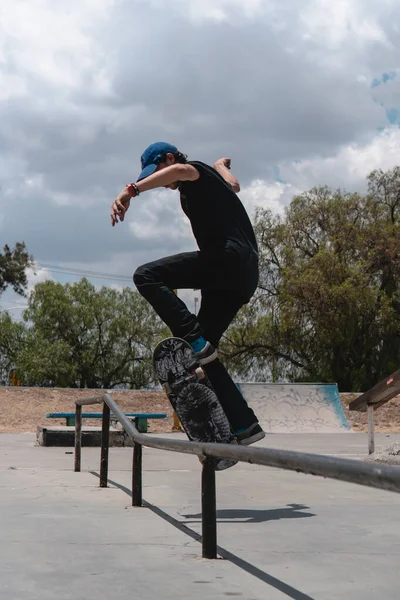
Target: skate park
(280, 533)
(291, 112)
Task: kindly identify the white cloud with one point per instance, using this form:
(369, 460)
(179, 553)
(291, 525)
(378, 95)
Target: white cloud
(40, 276)
(53, 40)
(349, 167)
(15, 304)
(213, 10)
(159, 217)
(271, 195)
(11, 86)
(333, 23)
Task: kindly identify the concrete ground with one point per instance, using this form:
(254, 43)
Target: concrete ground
(280, 534)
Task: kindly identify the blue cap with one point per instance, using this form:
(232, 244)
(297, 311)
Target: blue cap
(152, 157)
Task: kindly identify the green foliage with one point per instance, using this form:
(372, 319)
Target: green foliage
(12, 340)
(13, 266)
(77, 336)
(327, 307)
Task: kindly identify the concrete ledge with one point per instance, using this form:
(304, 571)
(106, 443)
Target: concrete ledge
(387, 456)
(91, 436)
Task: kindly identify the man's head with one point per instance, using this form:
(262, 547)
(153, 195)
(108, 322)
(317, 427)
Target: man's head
(159, 156)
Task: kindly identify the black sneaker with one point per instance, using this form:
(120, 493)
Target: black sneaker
(207, 355)
(252, 434)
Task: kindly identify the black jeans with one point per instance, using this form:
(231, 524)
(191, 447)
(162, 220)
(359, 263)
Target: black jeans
(227, 280)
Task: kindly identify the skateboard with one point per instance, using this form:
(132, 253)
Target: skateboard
(192, 396)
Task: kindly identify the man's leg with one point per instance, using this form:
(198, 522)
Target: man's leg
(218, 309)
(156, 282)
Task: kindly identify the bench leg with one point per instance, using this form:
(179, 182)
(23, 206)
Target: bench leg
(371, 429)
(177, 424)
(142, 425)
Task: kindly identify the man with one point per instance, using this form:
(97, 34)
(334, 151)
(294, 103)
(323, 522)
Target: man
(225, 268)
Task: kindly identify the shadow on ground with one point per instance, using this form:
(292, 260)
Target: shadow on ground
(235, 515)
(270, 580)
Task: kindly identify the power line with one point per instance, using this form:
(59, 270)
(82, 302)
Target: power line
(69, 271)
(12, 302)
(84, 272)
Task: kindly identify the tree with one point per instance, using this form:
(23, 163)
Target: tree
(12, 339)
(327, 307)
(13, 266)
(83, 337)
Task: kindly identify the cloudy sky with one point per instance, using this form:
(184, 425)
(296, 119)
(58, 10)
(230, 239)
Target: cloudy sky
(297, 93)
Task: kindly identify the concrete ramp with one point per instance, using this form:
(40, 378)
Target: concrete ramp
(296, 407)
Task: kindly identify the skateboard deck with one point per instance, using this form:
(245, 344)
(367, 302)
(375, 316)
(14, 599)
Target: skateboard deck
(191, 395)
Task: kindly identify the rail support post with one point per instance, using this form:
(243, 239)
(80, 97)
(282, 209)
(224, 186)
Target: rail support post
(371, 429)
(209, 509)
(137, 473)
(78, 437)
(105, 442)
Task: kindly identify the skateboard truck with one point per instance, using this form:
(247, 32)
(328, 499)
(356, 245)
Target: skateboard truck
(196, 375)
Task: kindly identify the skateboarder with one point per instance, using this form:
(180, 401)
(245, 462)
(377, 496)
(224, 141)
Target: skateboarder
(225, 268)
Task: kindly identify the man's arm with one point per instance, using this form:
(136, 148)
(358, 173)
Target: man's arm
(172, 174)
(223, 165)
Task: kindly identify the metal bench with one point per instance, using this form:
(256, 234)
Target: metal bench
(381, 393)
(141, 418)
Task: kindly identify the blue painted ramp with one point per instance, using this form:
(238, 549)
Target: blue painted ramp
(296, 407)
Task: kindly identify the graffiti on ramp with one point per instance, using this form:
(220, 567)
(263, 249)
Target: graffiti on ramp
(296, 407)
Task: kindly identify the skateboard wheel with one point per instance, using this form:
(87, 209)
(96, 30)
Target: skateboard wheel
(200, 373)
(167, 388)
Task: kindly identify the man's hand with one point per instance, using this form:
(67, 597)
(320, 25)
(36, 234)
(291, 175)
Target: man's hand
(223, 165)
(120, 206)
(225, 162)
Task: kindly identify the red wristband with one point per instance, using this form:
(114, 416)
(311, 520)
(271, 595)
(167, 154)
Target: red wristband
(131, 190)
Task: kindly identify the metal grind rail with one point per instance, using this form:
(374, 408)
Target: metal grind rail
(380, 476)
